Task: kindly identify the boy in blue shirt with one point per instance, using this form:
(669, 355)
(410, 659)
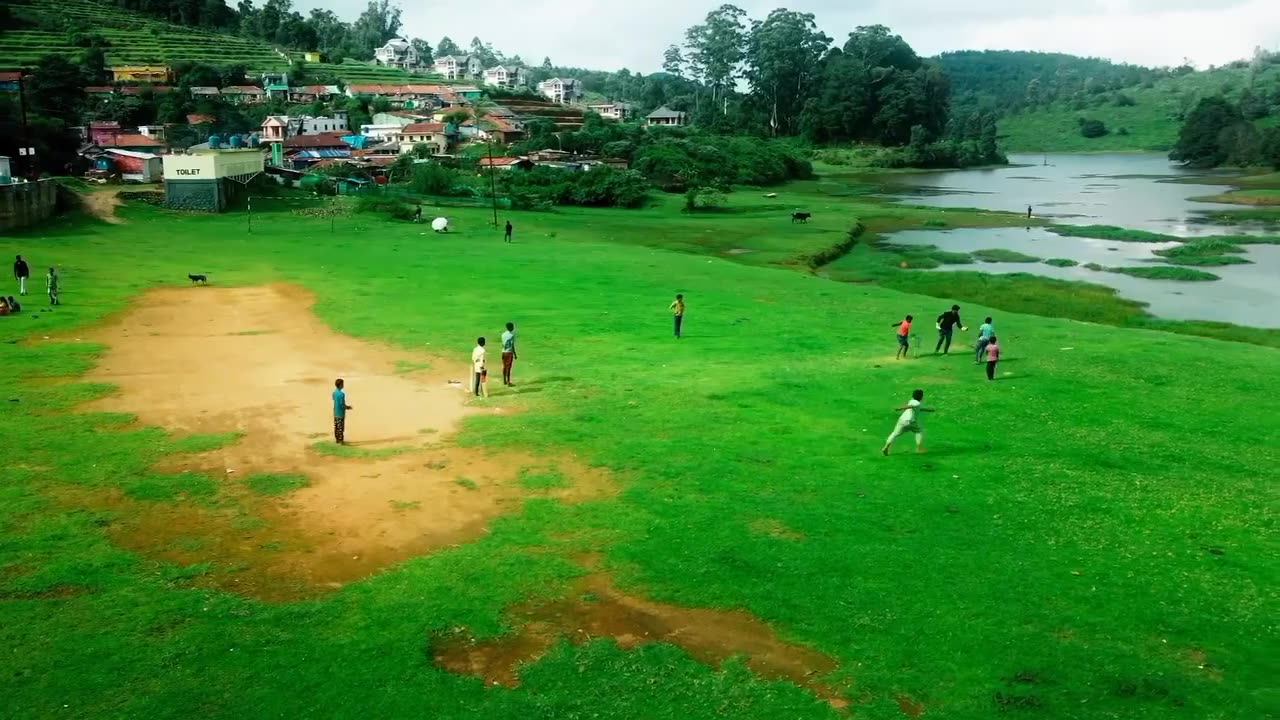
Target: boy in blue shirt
(340, 408)
(985, 332)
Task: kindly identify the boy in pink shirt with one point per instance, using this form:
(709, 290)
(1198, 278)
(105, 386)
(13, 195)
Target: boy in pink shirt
(993, 357)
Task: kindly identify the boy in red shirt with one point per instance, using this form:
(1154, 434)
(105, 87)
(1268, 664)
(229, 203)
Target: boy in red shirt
(993, 357)
(904, 337)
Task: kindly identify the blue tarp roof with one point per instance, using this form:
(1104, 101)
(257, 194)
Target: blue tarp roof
(355, 141)
(323, 153)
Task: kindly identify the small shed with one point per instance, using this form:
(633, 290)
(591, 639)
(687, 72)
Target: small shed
(136, 166)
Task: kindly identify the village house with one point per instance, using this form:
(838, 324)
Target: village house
(311, 93)
(506, 163)
(399, 53)
(200, 119)
(501, 129)
(665, 116)
(129, 141)
(140, 73)
(458, 67)
(311, 56)
(280, 127)
(130, 90)
(613, 110)
(243, 94)
(100, 92)
(506, 76)
(276, 85)
(274, 129)
(204, 91)
(102, 130)
(303, 151)
(135, 166)
(561, 90)
(440, 137)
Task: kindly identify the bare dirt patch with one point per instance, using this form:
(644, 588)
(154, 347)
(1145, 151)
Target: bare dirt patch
(596, 609)
(775, 528)
(910, 706)
(257, 361)
(102, 204)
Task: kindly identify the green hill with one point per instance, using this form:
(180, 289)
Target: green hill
(41, 28)
(1142, 117)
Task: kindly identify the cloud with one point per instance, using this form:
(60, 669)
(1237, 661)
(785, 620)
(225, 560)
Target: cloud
(608, 34)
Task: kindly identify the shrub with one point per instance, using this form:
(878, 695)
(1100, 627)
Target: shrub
(395, 207)
(1092, 128)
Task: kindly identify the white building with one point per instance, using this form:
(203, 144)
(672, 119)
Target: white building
(398, 52)
(381, 131)
(507, 76)
(613, 110)
(561, 90)
(317, 125)
(459, 67)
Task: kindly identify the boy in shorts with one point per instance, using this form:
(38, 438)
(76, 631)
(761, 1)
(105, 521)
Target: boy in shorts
(904, 337)
(909, 422)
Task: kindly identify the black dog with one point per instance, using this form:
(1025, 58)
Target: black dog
(198, 279)
(800, 217)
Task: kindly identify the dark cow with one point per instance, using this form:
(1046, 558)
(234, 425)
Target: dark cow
(801, 217)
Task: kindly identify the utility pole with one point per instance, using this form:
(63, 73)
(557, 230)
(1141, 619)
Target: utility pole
(493, 184)
(26, 135)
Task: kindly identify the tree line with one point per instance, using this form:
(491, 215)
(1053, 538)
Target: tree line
(1219, 132)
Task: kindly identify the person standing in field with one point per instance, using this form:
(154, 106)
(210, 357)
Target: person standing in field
(417, 214)
(677, 311)
(21, 272)
(946, 325)
(478, 370)
(904, 337)
(909, 422)
(993, 357)
(51, 284)
(1028, 212)
(508, 353)
(986, 331)
(340, 408)
(507, 235)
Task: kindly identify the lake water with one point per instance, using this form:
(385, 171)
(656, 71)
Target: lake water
(1128, 190)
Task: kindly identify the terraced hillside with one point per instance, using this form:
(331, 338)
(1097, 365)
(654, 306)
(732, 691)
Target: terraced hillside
(564, 116)
(136, 39)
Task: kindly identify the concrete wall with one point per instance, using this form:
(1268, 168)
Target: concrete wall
(206, 195)
(26, 204)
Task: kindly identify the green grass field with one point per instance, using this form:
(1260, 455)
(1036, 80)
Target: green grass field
(1089, 537)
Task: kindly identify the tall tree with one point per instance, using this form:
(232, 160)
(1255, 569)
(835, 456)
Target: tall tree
(1200, 141)
(447, 47)
(379, 22)
(424, 51)
(716, 48)
(782, 55)
(673, 61)
(484, 52)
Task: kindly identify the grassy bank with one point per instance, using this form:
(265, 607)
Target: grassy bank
(749, 480)
(1164, 272)
(1120, 234)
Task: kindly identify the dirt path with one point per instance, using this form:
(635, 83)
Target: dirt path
(102, 204)
(257, 361)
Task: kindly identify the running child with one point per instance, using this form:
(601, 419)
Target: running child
(985, 332)
(993, 357)
(904, 337)
(909, 422)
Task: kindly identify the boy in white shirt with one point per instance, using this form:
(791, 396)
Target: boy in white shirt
(909, 421)
(478, 369)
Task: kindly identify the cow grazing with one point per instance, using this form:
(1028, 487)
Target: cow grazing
(801, 217)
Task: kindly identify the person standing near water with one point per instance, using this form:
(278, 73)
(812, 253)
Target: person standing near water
(677, 311)
(1028, 212)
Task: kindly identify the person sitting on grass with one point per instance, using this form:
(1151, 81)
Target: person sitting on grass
(14, 305)
(985, 332)
(4, 307)
(904, 337)
(909, 421)
(993, 357)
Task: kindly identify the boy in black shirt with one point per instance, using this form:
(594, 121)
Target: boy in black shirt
(946, 324)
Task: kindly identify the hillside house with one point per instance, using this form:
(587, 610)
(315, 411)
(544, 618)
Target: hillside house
(135, 166)
(440, 137)
(458, 67)
(311, 56)
(561, 90)
(665, 116)
(200, 119)
(102, 130)
(276, 85)
(304, 151)
(613, 110)
(243, 94)
(501, 129)
(141, 73)
(205, 91)
(100, 92)
(152, 131)
(506, 163)
(129, 141)
(133, 90)
(311, 93)
(275, 128)
(506, 76)
(398, 53)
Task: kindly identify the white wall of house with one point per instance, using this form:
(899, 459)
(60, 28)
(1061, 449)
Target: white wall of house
(381, 132)
(317, 125)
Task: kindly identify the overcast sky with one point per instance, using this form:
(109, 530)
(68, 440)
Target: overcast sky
(613, 34)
